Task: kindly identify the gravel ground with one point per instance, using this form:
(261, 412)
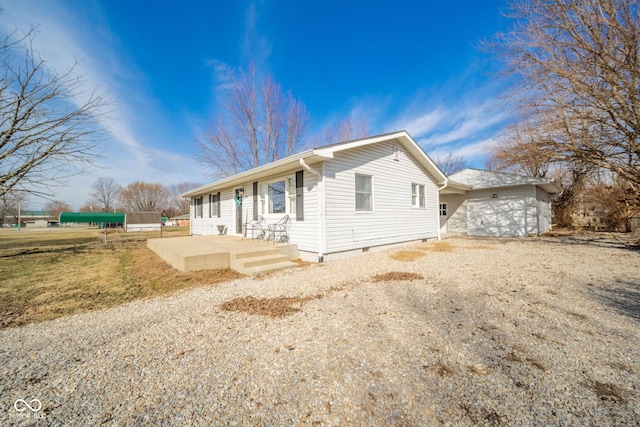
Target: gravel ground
(538, 331)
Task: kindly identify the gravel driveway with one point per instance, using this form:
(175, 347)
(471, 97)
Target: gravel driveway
(465, 331)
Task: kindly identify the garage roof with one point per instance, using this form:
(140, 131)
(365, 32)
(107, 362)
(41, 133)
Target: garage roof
(482, 179)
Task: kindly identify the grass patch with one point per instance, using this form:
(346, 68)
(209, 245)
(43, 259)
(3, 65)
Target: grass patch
(54, 273)
(407, 255)
(272, 307)
(396, 275)
(441, 247)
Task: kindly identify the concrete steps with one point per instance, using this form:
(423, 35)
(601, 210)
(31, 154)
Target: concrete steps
(246, 256)
(259, 262)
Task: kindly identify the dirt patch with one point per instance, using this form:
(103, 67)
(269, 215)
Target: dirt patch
(396, 275)
(302, 263)
(606, 391)
(272, 307)
(407, 255)
(440, 369)
(441, 247)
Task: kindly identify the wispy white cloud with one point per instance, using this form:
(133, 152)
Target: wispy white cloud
(463, 123)
(424, 123)
(66, 40)
(256, 47)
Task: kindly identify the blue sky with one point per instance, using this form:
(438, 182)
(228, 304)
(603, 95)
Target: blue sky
(411, 65)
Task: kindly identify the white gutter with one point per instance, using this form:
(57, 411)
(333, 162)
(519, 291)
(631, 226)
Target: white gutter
(446, 181)
(321, 208)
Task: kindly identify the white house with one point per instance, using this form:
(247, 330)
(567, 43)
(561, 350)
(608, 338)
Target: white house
(368, 194)
(342, 199)
(486, 203)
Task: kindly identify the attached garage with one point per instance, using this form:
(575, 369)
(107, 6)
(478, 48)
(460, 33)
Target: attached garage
(487, 203)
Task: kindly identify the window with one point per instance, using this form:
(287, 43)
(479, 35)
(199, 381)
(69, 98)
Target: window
(291, 195)
(198, 203)
(417, 196)
(214, 205)
(364, 193)
(443, 209)
(278, 197)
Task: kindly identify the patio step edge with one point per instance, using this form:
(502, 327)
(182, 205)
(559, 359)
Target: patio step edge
(270, 268)
(257, 261)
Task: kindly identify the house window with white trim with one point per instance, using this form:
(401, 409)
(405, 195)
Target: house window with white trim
(443, 209)
(214, 205)
(198, 205)
(278, 197)
(291, 195)
(417, 196)
(364, 193)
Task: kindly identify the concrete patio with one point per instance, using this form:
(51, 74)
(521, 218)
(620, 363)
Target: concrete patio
(246, 256)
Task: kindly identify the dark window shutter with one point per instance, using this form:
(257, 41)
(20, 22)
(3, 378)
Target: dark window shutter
(255, 200)
(218, 203)
(299, 196)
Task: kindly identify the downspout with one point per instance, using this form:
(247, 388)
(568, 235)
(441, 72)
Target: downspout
(446, 181)
(321, 237)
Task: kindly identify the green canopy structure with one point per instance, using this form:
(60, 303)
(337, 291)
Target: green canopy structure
(92, 217)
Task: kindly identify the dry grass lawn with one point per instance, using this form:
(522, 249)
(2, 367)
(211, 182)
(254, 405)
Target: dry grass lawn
(54, 273)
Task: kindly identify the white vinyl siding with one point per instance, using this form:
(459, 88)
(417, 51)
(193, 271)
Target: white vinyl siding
(456, 218)
(208, 224)
(303, 233)
(544, 210)
(393, 219)
(528, 212)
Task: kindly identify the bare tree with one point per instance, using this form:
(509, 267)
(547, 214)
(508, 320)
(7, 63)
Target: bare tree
(47, 133)
(258, 124)
(55, 208)
(347, 129)
(104, 194)
(177, 204)
(144, 196)
(522, 148)
(450, 163)
(575, 66)
(9, 204)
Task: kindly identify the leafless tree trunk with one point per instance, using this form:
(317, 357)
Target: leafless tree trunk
(104, 194)
(46, 133)
(576, 71)
(258, 124)
(144, 197)
(450, 164)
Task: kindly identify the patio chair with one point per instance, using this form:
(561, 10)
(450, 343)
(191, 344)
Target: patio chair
(279, 232)
(258, 228)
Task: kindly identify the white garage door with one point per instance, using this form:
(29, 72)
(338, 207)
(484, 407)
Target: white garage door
(497, 217)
